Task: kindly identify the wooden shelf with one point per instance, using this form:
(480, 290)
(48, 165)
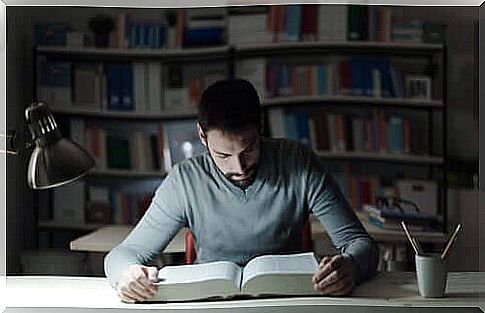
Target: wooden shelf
(354, 100)
(222, 51)
(127, 173)
(70, 226)
(392, 48)
(159, 54)
(92, 111)
(370, 156)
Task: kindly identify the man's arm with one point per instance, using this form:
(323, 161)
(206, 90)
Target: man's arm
(157, 227)
(327, 202)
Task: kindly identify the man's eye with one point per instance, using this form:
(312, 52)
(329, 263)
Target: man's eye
(222, 156)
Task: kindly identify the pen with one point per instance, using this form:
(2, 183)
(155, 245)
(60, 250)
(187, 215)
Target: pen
(418, 246)
(415, 248)
(450, 242)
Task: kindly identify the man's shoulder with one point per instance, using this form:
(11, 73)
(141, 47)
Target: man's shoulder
(196, 164)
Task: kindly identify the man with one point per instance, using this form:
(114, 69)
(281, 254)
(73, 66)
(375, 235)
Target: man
(246, 196)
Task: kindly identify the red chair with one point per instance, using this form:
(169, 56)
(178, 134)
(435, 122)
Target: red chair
(190, 253)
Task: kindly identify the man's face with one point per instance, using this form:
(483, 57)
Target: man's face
(236, 155)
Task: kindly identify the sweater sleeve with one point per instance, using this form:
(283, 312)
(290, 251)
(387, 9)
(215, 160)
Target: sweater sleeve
(160, 223)
(326, 201)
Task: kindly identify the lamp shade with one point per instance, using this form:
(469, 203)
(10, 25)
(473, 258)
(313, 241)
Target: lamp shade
(55, 160)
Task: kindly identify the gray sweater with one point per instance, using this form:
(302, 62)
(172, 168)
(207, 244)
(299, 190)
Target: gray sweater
(229, 223)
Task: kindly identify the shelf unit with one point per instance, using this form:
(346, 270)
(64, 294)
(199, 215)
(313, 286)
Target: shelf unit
(233, 54)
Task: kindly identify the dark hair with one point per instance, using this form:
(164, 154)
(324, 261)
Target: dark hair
(229, 105)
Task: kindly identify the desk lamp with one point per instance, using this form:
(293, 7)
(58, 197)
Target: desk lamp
(55, 160)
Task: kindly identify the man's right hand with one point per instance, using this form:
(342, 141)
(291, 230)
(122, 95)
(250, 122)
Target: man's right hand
(137, 283)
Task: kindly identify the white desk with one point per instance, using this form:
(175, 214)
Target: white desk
(106, 238)
(388, 292)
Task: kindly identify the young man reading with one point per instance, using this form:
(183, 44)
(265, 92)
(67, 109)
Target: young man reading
(245, 196)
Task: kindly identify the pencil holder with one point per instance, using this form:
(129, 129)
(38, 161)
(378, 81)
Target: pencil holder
(431, 272)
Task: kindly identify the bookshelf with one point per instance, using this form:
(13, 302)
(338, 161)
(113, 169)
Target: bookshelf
(231, 55)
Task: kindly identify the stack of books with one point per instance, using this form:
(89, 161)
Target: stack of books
(390, 218)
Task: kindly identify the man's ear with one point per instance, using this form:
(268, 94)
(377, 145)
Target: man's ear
(202, 135)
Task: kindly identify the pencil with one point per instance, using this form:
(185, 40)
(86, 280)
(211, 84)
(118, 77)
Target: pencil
(450, 242)
(415, 248)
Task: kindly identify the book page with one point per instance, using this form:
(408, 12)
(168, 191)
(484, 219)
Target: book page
(302, 263)
(198, 281)
(181, 274)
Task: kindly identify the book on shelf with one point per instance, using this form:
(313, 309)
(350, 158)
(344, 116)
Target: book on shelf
(69, 202)
(202, 27)
(248, 28)
(253, 70)
(155, 90)
(96, 145)
(54, 81)
(118, 152)
(120, 86)
(98, 207)
(332, 22)
(50, 34)
(358, 22)
(264, 275)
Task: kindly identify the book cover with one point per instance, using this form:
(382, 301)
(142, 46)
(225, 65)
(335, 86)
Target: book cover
(309, 22)
(395, 135)
(69, 203)
(127, 87)
(115, 85)
(155, 87)
(303, 128)
(293, 22)
(141, 103)
(276, 119)
(119, 155)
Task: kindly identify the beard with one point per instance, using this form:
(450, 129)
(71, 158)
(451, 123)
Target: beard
(243, 184)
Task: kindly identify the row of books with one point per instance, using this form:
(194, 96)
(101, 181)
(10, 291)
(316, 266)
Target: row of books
(144, 87)
(108, 206)
(137, 150)
(185, 28)
(359, 189)
(81, 203)
(355, 76)
(139, 34)
(376, 131)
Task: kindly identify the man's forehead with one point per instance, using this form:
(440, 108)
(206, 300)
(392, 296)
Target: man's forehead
(242, 136)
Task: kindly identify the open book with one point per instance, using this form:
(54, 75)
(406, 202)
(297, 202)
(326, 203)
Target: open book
(264, 275)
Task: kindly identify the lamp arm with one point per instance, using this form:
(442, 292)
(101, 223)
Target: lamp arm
(13, 143)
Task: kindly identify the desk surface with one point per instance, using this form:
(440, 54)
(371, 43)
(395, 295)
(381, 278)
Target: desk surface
(106, 238)
(395, 290)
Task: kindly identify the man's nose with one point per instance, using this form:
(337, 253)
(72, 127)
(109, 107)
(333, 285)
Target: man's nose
(239, 165)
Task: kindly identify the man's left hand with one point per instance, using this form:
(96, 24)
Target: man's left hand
(334, 276)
